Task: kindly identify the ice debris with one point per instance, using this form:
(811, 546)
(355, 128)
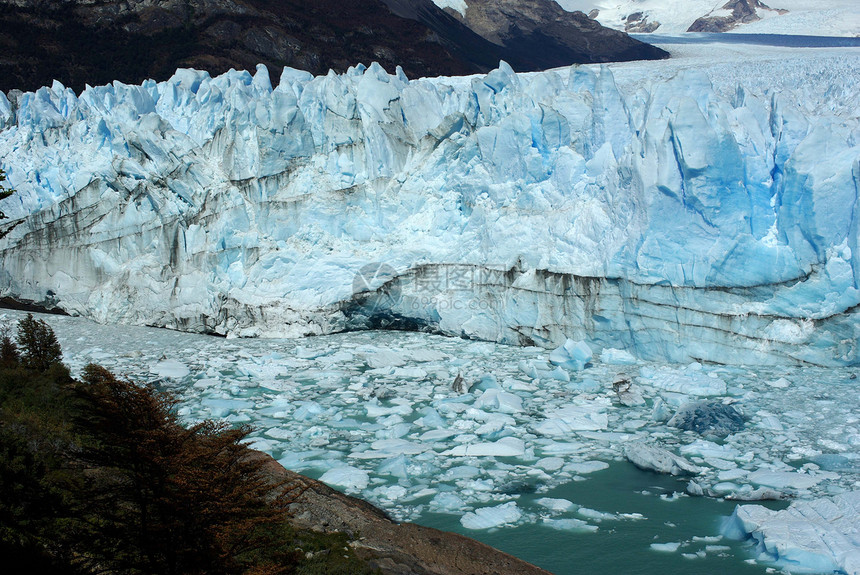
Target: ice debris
(651, 458)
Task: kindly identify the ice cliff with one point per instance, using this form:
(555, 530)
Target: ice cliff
(671, 219)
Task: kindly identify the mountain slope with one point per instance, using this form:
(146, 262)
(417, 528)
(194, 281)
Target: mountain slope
(804, 17)
(540, 34)
(96, 41)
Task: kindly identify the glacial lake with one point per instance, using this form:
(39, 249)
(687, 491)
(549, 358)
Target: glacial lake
(520, 454)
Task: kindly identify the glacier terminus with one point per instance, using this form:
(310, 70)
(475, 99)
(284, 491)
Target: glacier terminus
(680, 213)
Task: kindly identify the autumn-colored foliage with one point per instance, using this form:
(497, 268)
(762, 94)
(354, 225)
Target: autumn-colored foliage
(100, 476)
(173, 500)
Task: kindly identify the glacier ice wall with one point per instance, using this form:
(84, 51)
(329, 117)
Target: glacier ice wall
(670, 218)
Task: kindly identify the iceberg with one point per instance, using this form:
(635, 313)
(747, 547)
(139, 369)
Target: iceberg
(676, 214)
(819, 535)
(651, 458)
(489, 517)
(573, 355)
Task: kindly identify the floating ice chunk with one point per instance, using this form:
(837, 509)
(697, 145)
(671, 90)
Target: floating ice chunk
(425, 355)
(570, 524)
(586, 385)
(206, 382)
(499, 400)
(307, 410)
(708, 418)
(438, 434)
(832, 462)
(505, 447)
(374, 409)
(557, 374)
(398, 446)
(631, 398)
(409, 373)
(614, 356)
(532, 368)
(222, 407)
(170, 368)
(709, 449)
(346, 477)
(586, 467)
(550, 463)
(555, 504)
(652, 458)
(780, 383)
(261, 444)
(379, 358)
(537, 369)
(485, 383)
(666, 547)
(783, 479)
(396, 466)
(819, 535)
(572, 355)
(430, 418)
(594, 514)
(447, 502)
(769, 421)
(689, 381)
(489, 517)
(584, 417)
(308, 353)
(660, 411)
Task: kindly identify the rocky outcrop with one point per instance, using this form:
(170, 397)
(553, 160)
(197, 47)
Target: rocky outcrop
(395, 548)
(536, 30)
(638, 23)
(742, 12)
(95, 41)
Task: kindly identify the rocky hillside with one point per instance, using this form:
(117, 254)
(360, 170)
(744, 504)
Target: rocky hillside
(394, 548)
(792, 17)
(733, 13)
(97, 41)
(539, 34)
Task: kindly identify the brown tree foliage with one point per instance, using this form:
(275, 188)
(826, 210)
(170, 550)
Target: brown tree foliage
(162, 498)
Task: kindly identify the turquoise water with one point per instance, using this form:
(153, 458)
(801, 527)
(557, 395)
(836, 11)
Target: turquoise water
(624, 546)
(381, 409)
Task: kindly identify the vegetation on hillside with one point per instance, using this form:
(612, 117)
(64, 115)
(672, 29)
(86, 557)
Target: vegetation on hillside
(98, 475)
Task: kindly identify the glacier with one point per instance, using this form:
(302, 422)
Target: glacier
(679, 214)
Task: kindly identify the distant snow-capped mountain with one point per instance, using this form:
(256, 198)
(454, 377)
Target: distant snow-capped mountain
(808, 17)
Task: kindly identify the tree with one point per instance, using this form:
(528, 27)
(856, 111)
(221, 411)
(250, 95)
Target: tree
(165, 499)
(39, 346)
(9, 354)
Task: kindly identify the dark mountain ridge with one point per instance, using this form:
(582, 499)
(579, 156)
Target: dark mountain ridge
(94, 42)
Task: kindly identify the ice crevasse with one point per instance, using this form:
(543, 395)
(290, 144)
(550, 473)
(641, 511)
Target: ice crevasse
(669, 219)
